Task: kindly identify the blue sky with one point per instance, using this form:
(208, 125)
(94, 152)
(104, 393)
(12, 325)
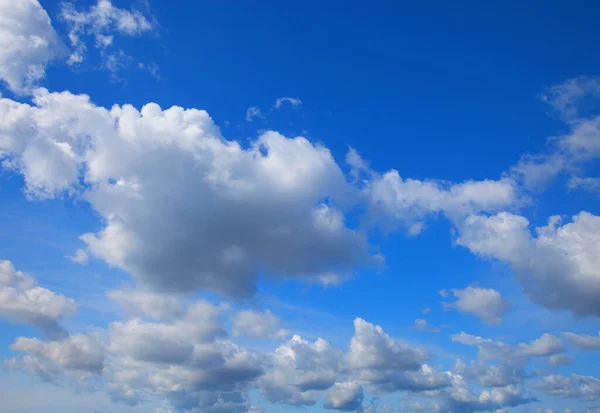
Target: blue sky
(297, 206)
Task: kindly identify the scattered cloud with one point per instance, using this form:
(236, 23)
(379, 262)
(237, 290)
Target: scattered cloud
(588, 184)
(569, 152)
(484, 303)
(253, 112)
(102, 21)
(558, 267)
(294, 102)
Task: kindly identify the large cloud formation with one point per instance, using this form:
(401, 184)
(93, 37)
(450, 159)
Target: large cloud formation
(219, 212)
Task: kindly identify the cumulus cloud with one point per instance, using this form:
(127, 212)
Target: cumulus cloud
(77, 357)
(484, 303)
(346, 396)
(22, 301)
(393, 201)
(301, 371)
(574, 386)
(497, 375)
(258, 324)
(224, 212)
(188, 361)
(387, 365)
(461, 398)
(27, 43)
(558, 268)
(545, 345)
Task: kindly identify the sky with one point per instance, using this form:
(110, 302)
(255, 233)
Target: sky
(299, 206)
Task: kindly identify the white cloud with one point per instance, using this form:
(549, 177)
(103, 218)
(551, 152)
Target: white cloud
(148, 304)
(252, 113)
(485, 303)
(346, 396)
(292, 101)
(420, 324)
(301, 371)
(561, 360)
(387, 365)
(27, 43)
(396, 202)
(498, 375)
(188, 361)
(101, 21)
(21, 300)
(571, 151)
(545, 346)
(224, 212)
(559, 268)
(461, 398)
(589, 184)
(575, 386)
(78, 357)
(258, 324)
(80, 257)
(584, 341)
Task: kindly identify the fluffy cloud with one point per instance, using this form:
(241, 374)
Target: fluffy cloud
(347, 396)
(101, 21)
(258, 324)
(488, 375)
(559, 267)
(224, 212)
(27, 43)
(77, 357)
(388, 365)
(575, 386)
(461, 398)
(546, 346)
(188, 361)
(301, 371)
(21, 300)
(485, 303)
(393, 201)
